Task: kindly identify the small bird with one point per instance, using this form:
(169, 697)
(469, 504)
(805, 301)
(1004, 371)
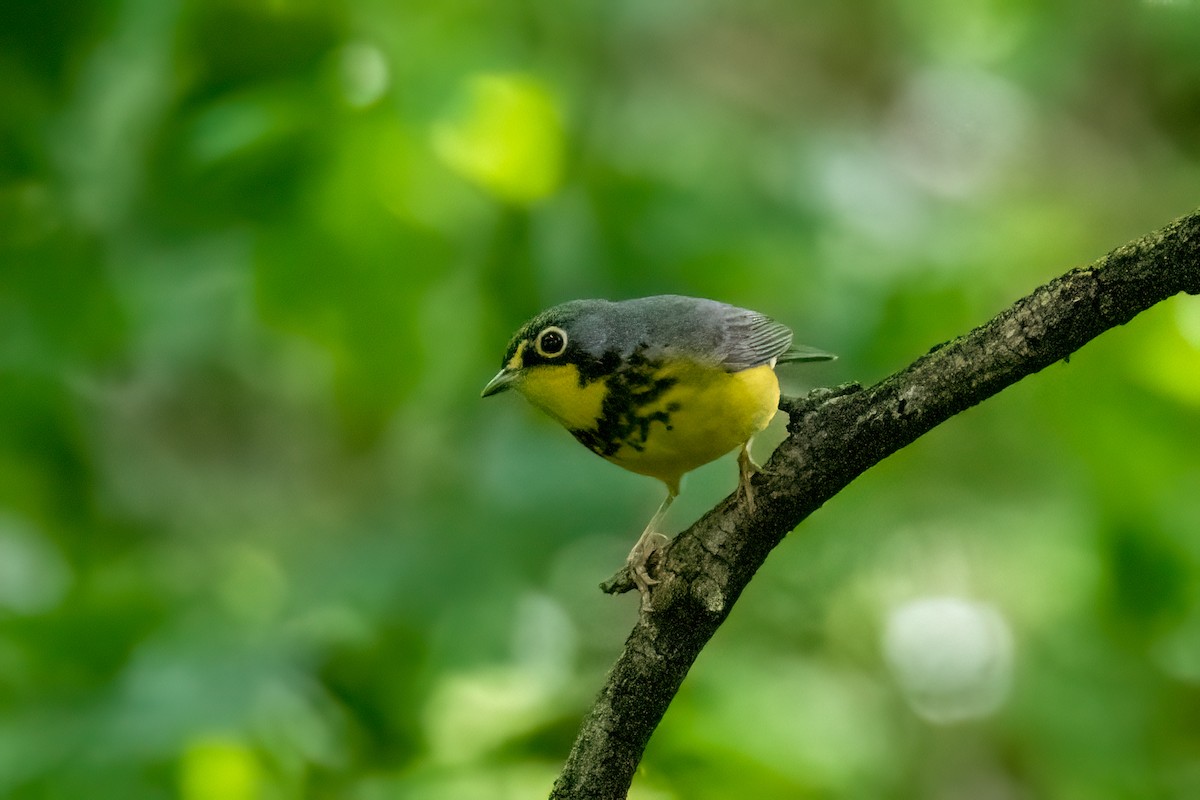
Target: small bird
(657, 385)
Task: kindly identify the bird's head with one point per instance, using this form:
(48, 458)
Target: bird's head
(558, 360)
(541, 342)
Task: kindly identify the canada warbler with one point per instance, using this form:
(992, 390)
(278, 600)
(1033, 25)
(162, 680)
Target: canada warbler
(658, 385)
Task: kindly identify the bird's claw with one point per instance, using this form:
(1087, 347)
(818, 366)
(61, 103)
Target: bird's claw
(649, 544)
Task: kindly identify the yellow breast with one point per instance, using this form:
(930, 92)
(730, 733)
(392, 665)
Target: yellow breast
(709, 413)
(662, 420)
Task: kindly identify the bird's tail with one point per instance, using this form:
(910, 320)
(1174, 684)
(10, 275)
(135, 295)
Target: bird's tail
(799, 353)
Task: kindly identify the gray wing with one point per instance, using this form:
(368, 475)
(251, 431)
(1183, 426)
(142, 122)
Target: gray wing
(717, 333)
(726, 336)
(752, 339)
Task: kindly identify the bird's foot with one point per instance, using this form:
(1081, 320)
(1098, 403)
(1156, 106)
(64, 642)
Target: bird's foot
(746, 469)
(649, 544)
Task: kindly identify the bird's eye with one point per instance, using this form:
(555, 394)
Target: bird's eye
(552, 342)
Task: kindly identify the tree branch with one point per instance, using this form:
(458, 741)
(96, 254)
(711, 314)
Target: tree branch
(833, 437)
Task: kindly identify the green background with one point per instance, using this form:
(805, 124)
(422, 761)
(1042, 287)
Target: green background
(260, 538)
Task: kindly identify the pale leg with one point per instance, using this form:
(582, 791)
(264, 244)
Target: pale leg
(746, 470)
(647, 543)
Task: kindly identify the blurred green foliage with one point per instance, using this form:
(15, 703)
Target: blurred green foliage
(259, 538)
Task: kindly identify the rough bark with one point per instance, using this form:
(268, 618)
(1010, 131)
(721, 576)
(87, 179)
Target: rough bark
(834, 436)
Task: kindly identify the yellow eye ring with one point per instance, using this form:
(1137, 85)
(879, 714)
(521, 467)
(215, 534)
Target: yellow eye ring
(551, 342)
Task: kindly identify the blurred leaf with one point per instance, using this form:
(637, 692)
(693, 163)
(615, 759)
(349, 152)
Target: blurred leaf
(220, 769)
(1150, 579)
(57, 301)
(508, 137)
(362, 307)
(45, 469)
